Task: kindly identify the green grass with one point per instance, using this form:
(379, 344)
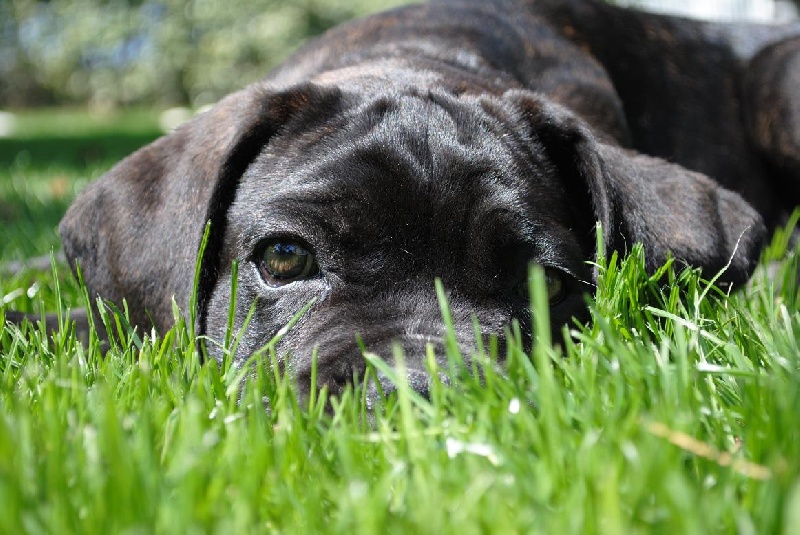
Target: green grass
(674, 411)
(54, 154)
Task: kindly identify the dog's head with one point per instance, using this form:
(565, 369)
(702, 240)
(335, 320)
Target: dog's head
(357, 202)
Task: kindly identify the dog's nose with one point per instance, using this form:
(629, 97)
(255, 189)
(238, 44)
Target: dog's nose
(419, 381)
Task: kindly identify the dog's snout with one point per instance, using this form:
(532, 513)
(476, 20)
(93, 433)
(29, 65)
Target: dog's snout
(418, 381)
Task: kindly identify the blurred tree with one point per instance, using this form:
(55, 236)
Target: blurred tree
(165, 52)
(111, 52)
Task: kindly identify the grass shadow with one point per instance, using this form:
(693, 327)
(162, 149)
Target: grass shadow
(40, 176)
(46, 152)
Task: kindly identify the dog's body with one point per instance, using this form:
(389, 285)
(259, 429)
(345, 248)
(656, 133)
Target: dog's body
(460, 140)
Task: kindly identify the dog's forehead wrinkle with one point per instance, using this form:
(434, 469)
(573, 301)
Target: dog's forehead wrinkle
(452, 161)
(401, 132)
(414, 115)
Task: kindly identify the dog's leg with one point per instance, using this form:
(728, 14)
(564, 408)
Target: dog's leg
(79, 319)
(681, 82)
(38, 263)
(772, 111)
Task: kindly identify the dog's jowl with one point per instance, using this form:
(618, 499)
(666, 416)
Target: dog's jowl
(462, 140)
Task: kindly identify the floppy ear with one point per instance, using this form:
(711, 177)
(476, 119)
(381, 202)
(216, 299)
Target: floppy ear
(136, 231)
(638, 198)
(673, 210)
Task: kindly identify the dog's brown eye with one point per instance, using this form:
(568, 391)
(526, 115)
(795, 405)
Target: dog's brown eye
(285, 262)
(556, 286)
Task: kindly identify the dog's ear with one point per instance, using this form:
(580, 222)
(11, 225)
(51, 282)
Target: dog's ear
(641, 199)
(136, 231)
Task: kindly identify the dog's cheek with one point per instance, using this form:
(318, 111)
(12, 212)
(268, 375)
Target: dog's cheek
(221, 326)
(259, 314)
(217, 318)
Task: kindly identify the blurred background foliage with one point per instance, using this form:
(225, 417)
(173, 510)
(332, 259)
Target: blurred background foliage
(112, 53)
(144, 66)
(165, 52)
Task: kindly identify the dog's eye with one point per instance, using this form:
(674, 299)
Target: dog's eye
(556, 286)
(283, 262)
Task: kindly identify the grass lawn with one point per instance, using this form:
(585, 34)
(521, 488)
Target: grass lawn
(675, 411)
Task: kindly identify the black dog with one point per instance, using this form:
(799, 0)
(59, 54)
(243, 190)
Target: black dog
(460, 140)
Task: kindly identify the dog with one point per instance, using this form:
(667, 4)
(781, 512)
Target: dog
(460, 140)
